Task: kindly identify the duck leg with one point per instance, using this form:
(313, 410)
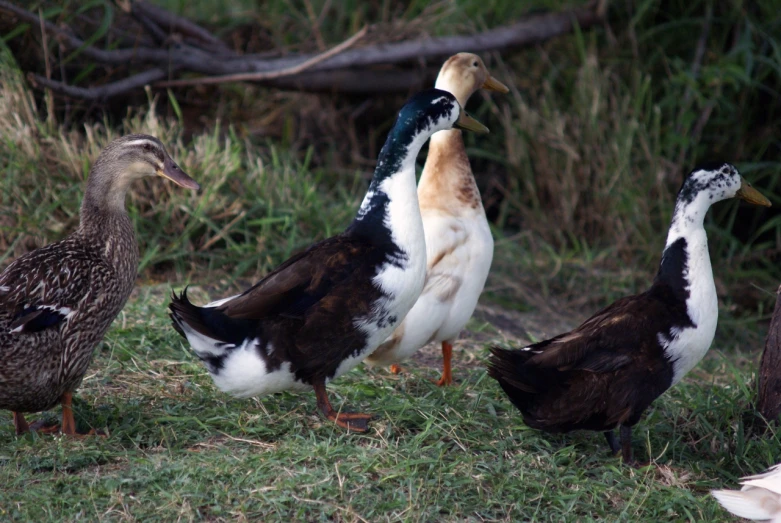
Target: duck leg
(352, 421)
(447, 374)
(68, 421)
(626, 443)
(610, 436)
(20, 424)
(395, 369)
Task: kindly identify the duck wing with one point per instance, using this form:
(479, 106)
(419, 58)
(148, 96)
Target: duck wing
(603, 343)
(299, 283)
(43, 288)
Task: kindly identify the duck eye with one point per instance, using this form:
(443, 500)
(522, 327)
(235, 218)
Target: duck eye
(475, 64)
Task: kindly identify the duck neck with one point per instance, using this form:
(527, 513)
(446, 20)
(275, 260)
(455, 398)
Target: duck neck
(390, 213)
(104, 219)
(447, 181)
(686, 269)
(685, 264)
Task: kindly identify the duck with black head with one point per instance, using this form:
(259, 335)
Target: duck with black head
(607, 371)
(324, 310)
(459, 246)
(57, 302)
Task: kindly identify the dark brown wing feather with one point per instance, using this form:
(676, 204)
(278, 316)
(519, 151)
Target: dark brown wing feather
(305, 312)
(605, 372)
(297, 284)
(602, 343)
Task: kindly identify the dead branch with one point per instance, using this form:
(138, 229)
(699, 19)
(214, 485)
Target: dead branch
(102, 92)
(270, 75)
(305, 71)
(165, 19)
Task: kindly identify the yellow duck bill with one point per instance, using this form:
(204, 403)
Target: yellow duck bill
(751, 195)
(492, 84)
(467, 123)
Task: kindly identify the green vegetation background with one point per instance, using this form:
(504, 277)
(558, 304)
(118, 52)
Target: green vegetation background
(579, 175)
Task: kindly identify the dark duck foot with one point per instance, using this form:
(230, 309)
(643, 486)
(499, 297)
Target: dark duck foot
(352, 421)
(615, 448)
(625, 447)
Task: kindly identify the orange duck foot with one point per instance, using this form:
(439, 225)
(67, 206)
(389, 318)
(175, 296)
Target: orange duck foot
(352, 421)
(396, 369)
(68, 426)
(445, 380)
(447, 371)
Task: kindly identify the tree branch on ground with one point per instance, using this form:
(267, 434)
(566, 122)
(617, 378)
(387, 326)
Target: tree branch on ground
(191, 49)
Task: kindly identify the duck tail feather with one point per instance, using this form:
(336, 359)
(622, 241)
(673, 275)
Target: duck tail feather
(206, 321)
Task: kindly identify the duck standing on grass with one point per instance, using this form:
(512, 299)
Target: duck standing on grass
(459, 246)
(605, 373)
(324, 310)
(759, 499)
(57, 302)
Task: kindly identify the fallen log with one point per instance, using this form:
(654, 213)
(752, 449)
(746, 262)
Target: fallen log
(191, 49)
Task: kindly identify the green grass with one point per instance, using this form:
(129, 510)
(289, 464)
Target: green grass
(580, 170)
(179, 449)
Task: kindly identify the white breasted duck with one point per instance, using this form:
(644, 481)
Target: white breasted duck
(459, 246)
(759, 499)
(324, 310)
(606, 372)
(57, 302)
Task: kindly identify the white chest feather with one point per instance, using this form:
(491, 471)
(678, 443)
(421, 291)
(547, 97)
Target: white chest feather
(687, 346)
(401, 280)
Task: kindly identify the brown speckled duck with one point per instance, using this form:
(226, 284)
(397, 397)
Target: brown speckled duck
(57, 302)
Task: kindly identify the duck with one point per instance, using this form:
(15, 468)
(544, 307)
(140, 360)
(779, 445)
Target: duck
(321, 312)
(759, 499)
(459, 245)
(606, 372)
(58, 301)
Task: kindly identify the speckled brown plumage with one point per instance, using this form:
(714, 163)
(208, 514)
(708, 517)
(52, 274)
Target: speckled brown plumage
(57, 302)
(87, 272)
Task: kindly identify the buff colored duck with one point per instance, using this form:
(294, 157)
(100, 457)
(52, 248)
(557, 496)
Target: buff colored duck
(459, 246)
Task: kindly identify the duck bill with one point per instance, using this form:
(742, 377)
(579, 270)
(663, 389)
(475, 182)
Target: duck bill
(467, 123)
(177, 175)
(751, 195)
(492, 84)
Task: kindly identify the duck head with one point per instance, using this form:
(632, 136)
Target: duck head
(464, 74)
(125, 160)
(714, 182)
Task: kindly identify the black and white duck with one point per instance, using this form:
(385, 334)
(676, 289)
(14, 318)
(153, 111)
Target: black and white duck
(324, 310)
(57, 302)
(607, 371)
(459, 246)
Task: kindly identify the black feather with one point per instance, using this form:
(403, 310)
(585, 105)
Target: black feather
(36, 319)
